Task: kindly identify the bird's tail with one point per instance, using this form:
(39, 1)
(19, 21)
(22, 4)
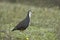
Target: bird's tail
(13, 29)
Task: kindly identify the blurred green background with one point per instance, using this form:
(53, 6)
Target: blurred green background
(45, 20)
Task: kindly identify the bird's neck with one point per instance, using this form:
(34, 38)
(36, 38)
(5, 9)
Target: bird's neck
(30, 14)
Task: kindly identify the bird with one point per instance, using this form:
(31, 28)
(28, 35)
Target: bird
(24, 23)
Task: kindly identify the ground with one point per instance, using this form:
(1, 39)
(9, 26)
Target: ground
(42, 26)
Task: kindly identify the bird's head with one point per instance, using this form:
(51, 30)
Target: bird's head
(29, 13)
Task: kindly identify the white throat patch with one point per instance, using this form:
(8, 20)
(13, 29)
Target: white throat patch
(30, 14)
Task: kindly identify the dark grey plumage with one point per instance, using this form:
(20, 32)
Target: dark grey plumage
(23, 24)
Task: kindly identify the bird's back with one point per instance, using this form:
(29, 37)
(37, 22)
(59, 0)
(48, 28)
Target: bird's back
(23, 24)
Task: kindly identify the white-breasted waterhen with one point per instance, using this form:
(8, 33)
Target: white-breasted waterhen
(24, 23)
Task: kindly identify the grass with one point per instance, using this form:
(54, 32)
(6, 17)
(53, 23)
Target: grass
(42, 26)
